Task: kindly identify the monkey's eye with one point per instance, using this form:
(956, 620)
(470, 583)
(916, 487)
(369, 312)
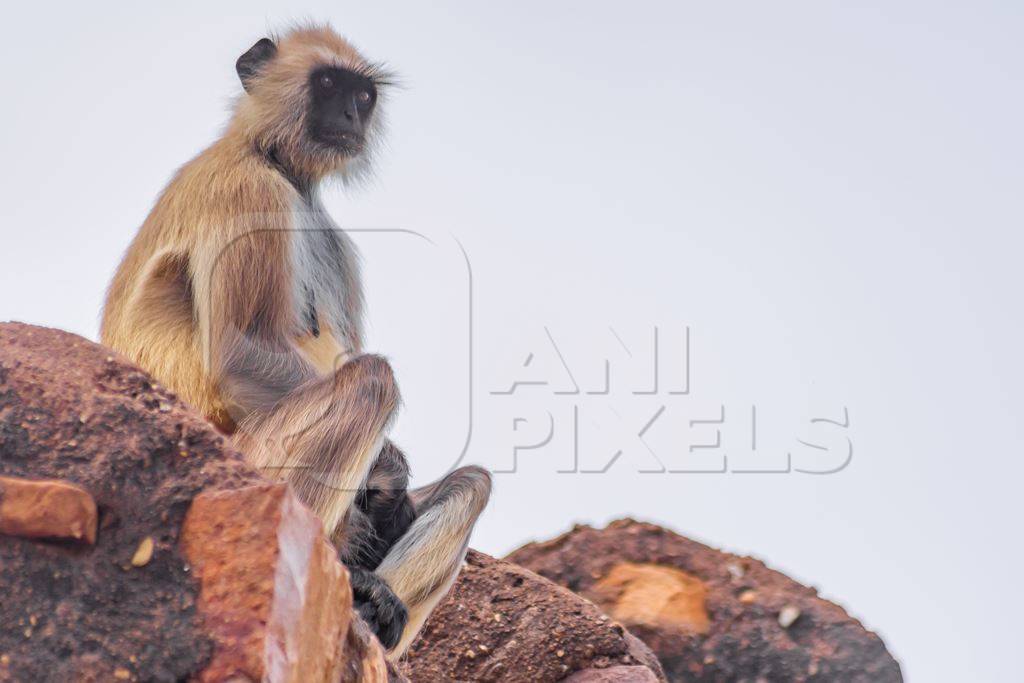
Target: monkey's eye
(326, 82)
(363, 97)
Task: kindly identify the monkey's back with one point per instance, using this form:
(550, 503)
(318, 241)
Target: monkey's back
(150, 313)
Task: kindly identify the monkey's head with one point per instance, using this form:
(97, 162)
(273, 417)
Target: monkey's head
(312, 101)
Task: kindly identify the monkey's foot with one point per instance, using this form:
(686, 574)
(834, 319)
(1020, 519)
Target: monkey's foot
(379, 607)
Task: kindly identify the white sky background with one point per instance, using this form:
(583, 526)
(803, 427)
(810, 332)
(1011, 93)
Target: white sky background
(826, 194)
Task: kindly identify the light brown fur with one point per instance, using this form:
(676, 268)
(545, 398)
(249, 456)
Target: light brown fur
(225, 216)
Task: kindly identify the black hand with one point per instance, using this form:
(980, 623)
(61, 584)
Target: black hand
(379, 607)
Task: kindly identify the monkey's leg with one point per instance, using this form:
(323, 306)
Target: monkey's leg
(323, 437)
(424, 562)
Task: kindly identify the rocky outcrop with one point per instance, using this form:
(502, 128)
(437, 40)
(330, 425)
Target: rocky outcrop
(502, 623)
(136, 544)
(709, 615)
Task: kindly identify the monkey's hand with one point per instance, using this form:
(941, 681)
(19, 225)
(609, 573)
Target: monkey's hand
(379, 607)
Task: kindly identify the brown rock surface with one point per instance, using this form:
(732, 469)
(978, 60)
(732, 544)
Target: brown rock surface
(46, 509)
(709, 615)
(503, 623)
(614, 674)
(365, 660)
(127, 608)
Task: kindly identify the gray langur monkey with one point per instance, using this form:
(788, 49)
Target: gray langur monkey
(241, 295)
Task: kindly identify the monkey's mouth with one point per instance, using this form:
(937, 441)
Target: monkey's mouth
(347, 143)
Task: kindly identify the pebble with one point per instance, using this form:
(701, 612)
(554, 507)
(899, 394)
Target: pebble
(747, 597)
(788, 615)
(144, 553)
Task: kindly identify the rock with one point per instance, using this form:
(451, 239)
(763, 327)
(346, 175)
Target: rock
(709, 615)
(365, 661)
(503, 623)
(151, 601)
(614, 674)
(275, 599)
(46, 509)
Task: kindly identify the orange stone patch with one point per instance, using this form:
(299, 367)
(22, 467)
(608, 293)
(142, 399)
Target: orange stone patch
(653, 594)
(47, 508)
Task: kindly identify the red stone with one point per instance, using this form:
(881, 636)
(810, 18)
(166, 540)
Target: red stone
(273, 594)
(46, 509)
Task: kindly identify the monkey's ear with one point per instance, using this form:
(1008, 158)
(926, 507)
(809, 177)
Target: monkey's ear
(249, 64)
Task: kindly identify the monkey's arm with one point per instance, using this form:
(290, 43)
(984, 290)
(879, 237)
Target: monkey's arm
(382, 514)
(386, 509)
(245, 314)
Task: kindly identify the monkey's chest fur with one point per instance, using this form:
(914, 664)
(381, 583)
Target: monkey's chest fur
(327, 291)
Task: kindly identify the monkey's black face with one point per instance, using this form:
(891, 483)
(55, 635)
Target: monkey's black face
(341, 107)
